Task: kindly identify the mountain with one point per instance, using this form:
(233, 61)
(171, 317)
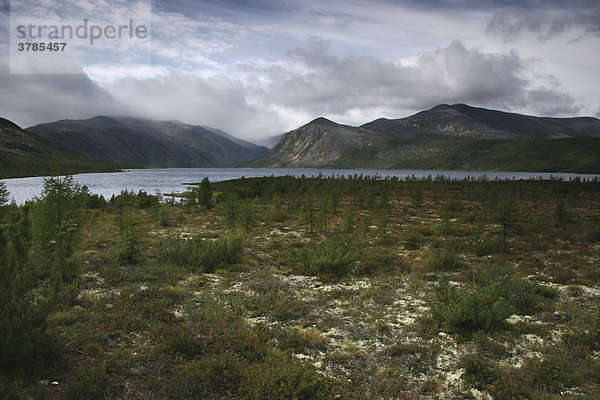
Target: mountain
(466, 122)
(445, 137)
(23, 153)
(149, 143)
(317, 143)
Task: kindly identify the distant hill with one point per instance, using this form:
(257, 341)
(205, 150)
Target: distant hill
(23, 153)
(445, 137)
(149, 143)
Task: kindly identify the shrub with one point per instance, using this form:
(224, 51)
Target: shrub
(412, 241)
(382, 260)
(300, 340)
(213, 377)
(328, 259)
(485, 245)
(522, 294)
(479, 372)
(281, 376)
(564, 275)
(444, 260)
(584, 331)
(574, 290)
(201, 254)
(466, 311)
(275, 302)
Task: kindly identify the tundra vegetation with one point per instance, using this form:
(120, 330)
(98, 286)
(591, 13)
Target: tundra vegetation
(303, 288)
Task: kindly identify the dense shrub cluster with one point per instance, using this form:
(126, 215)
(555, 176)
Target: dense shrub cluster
(200, 254)
(444, 260)
(331, 259)
(469, 310)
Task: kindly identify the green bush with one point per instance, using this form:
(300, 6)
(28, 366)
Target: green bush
(522, 294)
(412, 241)
(584, 331)
(466, 311)
(331, 259)
(200, 254)
(382, 260)
(479, 372)
(444, 260)
(214, 377)
(281, 376)
(300, 340)
(275, 301)
(483, 246)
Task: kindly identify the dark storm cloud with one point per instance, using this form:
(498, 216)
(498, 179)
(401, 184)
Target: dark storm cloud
(31, 99)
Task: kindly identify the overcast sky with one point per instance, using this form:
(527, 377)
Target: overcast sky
(259, 68)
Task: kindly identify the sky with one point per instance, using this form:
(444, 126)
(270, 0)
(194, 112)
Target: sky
(261, 68)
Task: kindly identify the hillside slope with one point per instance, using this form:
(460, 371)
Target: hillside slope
(23, 153)
(148, 143)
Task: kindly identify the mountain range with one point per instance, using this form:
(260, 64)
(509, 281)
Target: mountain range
(445, 137)
(458, 137)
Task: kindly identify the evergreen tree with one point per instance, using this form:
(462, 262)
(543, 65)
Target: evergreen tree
(4, 195)
(230, 210)
(248, 212)
(383, 212)
(58, 216)
(309, 211)
(129, 252)
(507, 215)
(324, 213)
(349, 222)
(24, 298)
(204, 194)
(365, 225)
(189, 199)
(417, 196)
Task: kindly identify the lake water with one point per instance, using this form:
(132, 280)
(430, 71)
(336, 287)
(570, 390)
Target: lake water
(173, 180)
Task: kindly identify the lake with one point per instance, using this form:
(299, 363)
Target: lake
(173, 180)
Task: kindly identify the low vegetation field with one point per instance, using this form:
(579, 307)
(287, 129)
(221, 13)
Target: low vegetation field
(304, 288)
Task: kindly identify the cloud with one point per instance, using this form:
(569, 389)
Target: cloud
(334, 85)
(275, 98)
(250, 68)
(31, 99)
(578, 20)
